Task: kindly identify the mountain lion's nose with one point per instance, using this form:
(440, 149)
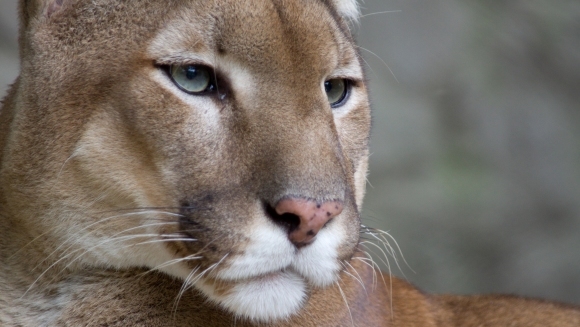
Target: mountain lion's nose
(305, 218)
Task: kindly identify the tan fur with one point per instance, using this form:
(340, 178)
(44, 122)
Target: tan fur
(104, 161)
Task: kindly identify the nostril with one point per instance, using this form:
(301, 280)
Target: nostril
(289, 221)
(303, 218)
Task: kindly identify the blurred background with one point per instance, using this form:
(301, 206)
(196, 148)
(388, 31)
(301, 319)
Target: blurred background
(475, 166)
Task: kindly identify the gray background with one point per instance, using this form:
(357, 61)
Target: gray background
(475, 166)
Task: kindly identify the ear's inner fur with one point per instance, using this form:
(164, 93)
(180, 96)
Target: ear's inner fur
(53, 6)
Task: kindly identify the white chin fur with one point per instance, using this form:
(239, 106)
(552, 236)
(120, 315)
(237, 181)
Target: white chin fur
(264, 299)
(318, 262)
(269, 250)
(268, 281)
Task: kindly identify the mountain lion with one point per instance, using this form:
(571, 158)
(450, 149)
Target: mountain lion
(200, 163)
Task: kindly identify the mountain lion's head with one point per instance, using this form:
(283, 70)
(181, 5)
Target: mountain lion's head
(221, 142)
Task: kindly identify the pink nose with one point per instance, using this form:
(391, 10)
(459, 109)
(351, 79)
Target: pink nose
(312, 216)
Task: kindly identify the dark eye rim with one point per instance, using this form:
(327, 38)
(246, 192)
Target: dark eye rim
(209, 90)
(348, 84)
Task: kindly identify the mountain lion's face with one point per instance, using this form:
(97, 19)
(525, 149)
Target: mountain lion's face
(221, 142)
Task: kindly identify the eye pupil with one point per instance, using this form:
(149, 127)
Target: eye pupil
(191, 72)
(327, 86)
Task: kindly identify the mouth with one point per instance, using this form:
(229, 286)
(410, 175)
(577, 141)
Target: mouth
(265, 275)
(266, 278)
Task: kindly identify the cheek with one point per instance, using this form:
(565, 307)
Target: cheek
(183, 134)
(164, 116)
(360, 179)
(353, 130)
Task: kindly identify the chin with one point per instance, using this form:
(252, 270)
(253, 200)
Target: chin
(266, 298)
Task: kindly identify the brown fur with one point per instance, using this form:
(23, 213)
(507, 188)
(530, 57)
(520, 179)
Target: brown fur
(96, 144)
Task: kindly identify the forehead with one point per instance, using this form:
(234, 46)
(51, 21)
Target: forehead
(266, 34)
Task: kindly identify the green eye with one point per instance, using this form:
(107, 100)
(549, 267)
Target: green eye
(193, 79)
(336, 91)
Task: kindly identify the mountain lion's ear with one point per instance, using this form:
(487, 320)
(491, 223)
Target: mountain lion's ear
(31, 9)
(349, 9)
(52, 6)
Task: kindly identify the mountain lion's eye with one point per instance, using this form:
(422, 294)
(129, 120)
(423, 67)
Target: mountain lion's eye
(192, 79)
(336, 91)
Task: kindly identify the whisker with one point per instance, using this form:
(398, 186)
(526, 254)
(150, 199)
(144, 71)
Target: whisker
(388, 248)
(166, 240)
(72, 155)
(380, 12)
(345, 302)
(359, 279)
(377, 233)
(33, 240)
(53, 229)
(378, 237)
(188, 284)
(44, 272)
(108, 240)
(178, 260)
(111, 238)
(172, 262)
(375, 266)
(74, 235)
(397, 245)
(386, 263)
(213, 267)
(374, 237)
(181, 292)
(369, 66)
(381, 59)
(384, 255)
(372, 268)
(76, 258)
(383, 277)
